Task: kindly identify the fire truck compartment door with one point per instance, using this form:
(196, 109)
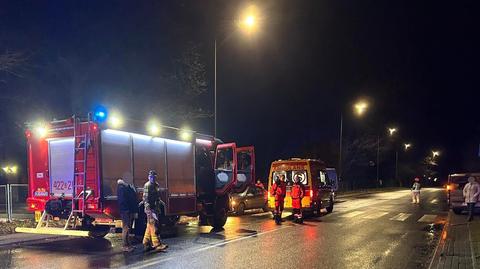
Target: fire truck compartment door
(61, 159)
(245, 168)
(225, 168)
(180, 177)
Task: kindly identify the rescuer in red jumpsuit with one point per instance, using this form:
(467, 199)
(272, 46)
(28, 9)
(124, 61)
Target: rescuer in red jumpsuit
(297, 194)
(279, 190)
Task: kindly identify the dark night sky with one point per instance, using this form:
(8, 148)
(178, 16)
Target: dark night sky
(283, 90)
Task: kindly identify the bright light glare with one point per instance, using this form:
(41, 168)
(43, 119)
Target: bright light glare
(10, 169)
(361, 107)
(435, 153)
(249, 19)
(115, 121)
(186, 135)
(40, 130)
(392, 130)
(153, 129)
(407, 146)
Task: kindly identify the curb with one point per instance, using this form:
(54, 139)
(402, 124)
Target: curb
(441, 244)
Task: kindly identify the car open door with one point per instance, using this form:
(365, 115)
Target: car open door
(245, 168)
(225, 168)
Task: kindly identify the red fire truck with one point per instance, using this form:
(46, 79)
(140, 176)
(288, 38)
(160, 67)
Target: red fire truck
(74, 166)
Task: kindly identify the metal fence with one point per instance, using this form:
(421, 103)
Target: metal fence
(3, 202)
(13, 202)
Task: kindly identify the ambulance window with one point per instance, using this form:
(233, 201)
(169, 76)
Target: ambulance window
(277, 174)
(302, 174)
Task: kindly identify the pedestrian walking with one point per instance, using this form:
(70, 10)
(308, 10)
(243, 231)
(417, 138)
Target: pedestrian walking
(127, 204)
(471, 192)
(152, 202)
(279, 190)
(416, 191)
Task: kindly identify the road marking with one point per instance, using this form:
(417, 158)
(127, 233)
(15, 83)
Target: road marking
(427, 218)
(261, 214)
(352, 214)
(401, 217)
(375, 215)
(156, 261)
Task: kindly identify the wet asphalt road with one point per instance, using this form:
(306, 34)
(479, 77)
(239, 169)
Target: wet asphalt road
(371, 231)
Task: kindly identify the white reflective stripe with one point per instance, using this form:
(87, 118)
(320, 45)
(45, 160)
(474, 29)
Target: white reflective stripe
(375, 215)
(401, 217)
(352, 214)
(427, 218)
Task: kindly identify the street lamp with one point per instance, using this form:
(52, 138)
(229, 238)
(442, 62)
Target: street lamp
(435, 153)
(360, 107)
(407, 146)
(392, 131)
(248, 23)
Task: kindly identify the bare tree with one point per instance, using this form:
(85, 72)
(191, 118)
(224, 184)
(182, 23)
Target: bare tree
(13, 62)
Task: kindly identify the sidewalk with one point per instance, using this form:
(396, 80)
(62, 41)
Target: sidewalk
(460, 244)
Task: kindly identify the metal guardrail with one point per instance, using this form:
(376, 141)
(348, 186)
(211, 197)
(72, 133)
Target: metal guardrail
(19, 197)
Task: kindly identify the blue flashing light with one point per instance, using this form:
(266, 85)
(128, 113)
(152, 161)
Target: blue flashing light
(100, 114)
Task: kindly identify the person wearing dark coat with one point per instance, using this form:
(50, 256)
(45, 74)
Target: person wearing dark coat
(127, 205)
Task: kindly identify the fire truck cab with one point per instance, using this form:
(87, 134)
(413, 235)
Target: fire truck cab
(319, 181)
(74, 166)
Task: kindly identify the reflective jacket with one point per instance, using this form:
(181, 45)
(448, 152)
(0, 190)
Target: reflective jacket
(416, 187)
(279, 191)
(151, 196)
(471, 192)
(297, 194)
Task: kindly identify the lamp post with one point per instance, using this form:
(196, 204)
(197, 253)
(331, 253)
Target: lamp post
(248, 23)
(360, 107)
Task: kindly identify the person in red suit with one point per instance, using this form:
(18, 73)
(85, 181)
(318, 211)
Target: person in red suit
(279, 190)
(297, 194)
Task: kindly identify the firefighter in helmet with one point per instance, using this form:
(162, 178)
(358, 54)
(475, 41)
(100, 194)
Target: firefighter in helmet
(279, 190)
(297, 194)
(152, 203)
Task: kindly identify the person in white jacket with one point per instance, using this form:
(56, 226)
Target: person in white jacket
(471, 191)
(416, 191)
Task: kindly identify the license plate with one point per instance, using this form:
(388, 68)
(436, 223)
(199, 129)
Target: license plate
(38, 215)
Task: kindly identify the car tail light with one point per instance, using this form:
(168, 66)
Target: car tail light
(107, 211)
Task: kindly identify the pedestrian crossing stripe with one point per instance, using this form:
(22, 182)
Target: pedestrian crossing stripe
(375, 215)
(427, 218)
(352, 214)
(401, 217)
(379, 214)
